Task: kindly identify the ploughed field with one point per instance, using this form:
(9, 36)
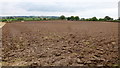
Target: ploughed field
(60, 43)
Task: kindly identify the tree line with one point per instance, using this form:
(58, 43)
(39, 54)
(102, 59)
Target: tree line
(62, 17)
(76, 18)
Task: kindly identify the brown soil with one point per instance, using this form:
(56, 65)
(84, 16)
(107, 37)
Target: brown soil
(60, 43)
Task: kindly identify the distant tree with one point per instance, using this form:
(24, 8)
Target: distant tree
(87, 19)
(68, 18)
(11, 17)
(62, 17)
(76, 18)
(20, 19)
(7, 17)
(94, 19)
(101, 19)
(107, 18)
(82, 19)
(44, 18)
(72, 18)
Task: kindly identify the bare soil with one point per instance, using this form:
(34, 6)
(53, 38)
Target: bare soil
(60, 43)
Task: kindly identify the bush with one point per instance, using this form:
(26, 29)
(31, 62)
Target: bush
(20, 19)
(4, 20)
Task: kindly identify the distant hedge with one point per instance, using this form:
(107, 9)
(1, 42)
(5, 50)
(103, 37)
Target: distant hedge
(62, 17)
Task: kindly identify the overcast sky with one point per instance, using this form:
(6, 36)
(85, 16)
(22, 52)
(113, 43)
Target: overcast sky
(82, 8)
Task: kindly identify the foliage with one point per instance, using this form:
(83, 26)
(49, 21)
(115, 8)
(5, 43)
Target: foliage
(82, 19)
(20, 19)
(62, 17)
(68, 18)
(72, 18)
(107, 18)
(101, 19)
(76, 18)
(94, 19)
(4, 20)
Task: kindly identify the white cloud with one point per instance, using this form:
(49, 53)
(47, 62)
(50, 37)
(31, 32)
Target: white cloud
(82, 8)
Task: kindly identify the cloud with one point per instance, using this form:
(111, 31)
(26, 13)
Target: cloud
(63, 6)
(83, 8)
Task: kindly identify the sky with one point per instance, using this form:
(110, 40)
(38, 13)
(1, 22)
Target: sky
(81, 8)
